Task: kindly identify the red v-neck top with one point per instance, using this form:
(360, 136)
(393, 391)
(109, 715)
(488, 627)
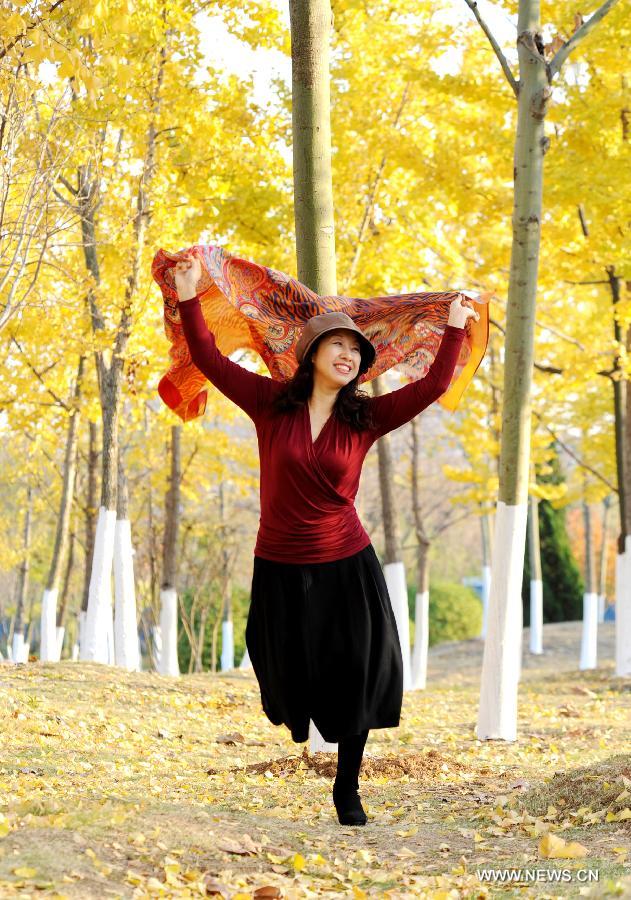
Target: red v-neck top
(308, 488)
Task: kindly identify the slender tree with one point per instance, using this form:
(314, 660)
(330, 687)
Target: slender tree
(497, 714)
(19, 649)
(50, 641)
(126, 647)
(589, 639)
(168, 592)
(421, 613)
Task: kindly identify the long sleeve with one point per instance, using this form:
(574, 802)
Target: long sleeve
(250, 391)
(392, 410)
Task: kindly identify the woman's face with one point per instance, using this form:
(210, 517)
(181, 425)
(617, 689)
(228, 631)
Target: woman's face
(337, 358)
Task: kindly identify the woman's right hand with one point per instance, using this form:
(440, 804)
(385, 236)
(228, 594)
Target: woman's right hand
(188, 271)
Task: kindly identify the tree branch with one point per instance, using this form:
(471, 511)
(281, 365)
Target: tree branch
(563, 52)
(571, 453)
(473, 6)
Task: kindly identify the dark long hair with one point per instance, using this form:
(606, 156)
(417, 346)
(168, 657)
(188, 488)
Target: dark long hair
(352, 405)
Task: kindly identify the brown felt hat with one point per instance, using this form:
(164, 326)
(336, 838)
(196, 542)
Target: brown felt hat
(331, 321)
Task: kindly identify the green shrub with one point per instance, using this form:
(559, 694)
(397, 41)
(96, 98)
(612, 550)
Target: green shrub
(455, 612)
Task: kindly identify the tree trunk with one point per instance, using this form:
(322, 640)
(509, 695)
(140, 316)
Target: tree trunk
(590, 599)
(622, 399)
(393, 568)
(99, 615)
(63, 599)
(485, 528)
(602, 575)
(168, 593)
(49, 639)
(310, 22)
(227, 630)
(497, 716)
(19, 648)
(421, 617)
(90, 510)
(126, 647)
(536, 581)
(201, 634)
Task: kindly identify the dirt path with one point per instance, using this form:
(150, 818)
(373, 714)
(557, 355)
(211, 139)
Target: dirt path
(124, 785)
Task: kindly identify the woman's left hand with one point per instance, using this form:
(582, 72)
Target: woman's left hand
(460, 310)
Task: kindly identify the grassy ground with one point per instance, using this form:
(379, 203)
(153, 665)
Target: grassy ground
(134, 785)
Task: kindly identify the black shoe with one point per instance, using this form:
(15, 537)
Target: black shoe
(348, 806)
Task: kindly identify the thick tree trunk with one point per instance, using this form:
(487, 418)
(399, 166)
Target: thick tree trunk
(536, 581)
(310, 22)
(19, 648)
(168, 593)
(590, 599)
(126, 648)
(421, 616)
(50, 648)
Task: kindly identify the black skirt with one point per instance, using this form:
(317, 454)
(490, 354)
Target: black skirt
(323, 642)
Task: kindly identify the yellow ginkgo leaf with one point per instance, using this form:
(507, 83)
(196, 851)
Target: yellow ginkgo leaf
(553, 847)
(24, 872)
(298, 862)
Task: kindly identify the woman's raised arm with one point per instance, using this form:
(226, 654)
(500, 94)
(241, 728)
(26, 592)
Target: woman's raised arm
(250, 391)
(392, 410)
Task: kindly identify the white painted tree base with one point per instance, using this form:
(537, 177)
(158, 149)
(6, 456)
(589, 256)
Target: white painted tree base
(589, 636)
(227, 646)
(76, 650)
(168, 631)
(394, 574)
(19, 649)
(48, 627)
(245, 663)
(486, 593)
(126, 646)
(421, 642)
(623, 611)
(94, 648)
(536, 615)
(317, 744)
(497, 714)
(60, 632)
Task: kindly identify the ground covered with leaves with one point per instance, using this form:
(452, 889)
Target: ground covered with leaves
(135, 785)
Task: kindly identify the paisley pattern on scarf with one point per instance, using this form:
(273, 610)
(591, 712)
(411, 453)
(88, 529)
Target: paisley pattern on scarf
(250, 306)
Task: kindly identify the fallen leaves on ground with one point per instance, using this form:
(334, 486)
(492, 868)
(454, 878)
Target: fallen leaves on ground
(135, 785)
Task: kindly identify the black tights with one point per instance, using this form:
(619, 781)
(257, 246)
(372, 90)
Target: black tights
(349, 759)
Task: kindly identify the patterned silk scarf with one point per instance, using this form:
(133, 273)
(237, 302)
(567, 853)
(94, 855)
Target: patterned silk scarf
(247, 305)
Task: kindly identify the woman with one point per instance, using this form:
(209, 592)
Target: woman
(321, 632)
